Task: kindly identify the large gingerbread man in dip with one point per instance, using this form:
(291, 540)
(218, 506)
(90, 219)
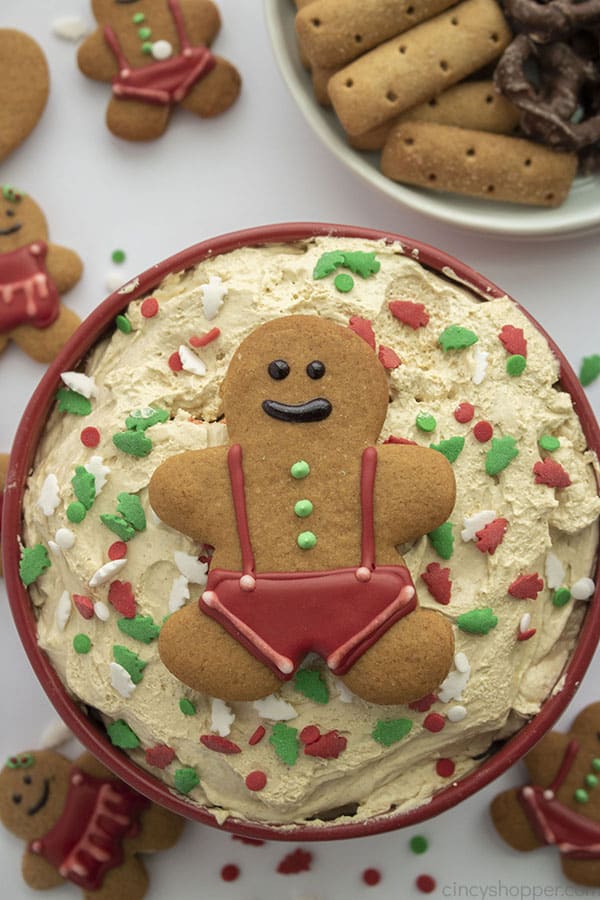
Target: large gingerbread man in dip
(33, 275)
(305, 515)
(156, 54)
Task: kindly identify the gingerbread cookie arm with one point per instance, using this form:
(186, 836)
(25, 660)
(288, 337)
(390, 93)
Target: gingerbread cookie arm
(42, 345)
(91, 766)
(64, 267)
(216, 92)
(96, 59)
(160, 829)
(130, 880)
(544, 760)
(511, 822)
(38, 873)
(414, 492)
(202, 20)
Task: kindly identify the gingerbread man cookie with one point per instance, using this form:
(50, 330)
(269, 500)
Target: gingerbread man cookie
(305, 515)
(24, 86)
(561, 805)
(33, 275)
(156, 54)
(81, 824)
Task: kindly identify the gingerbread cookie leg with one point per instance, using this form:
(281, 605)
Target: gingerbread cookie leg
(160, 830)
(582, 871)
(410, 661)
(130, 880)
(135, 120)
(199, 652)
(216, 92)
(43, 344)
(38, 873)
(511, 822)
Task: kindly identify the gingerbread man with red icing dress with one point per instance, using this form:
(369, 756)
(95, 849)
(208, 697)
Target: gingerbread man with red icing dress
(306, 514)
(157, 55)
(33, 275)
(81, 825)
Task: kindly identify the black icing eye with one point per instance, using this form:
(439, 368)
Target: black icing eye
(27, 779)
(10, 213)
(315, 369)
(279, 369)
(16, 799)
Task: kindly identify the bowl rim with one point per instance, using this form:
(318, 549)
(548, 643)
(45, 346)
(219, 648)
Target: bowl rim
(24, 447)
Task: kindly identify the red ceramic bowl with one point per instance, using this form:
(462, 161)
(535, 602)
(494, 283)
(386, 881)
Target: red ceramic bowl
(93, 736)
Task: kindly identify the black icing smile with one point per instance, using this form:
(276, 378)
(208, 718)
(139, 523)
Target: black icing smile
(42, 801)
(311, 411)
(6, 231)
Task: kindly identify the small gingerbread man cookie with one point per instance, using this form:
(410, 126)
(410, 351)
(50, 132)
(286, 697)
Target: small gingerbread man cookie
(305, 515)
(561, 805)
(24, 86)
(81, 825)
(156, 54)
(33, 275)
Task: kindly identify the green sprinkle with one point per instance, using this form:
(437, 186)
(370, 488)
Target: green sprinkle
(361, 263)
(71, 402)
(34, 561)
(84, 485)
(478, 621)
(426, 422)
(141, 419)
(123, 324)
(344, 282)
(591, 781)
(122, 736)
(455, 337)
(284, 741)
(186, 779)
(596, 764)
(118, 525)
(144, 33)
(516, 365)
(76, 512)
(131, 509)
(303, 508)
(82, 643)
(390, 731)
(311, 683)
(130, 662)
(442, 540)
(133, 442)
(450, 448)
(306, 540)
(581, 795)
(118, 256)
(590, 369)
(140, 628)
(549, 442)
(138, 18)
(502, 452)
(419, 844)
(328, 263)
(561, 596)
(187, 707)
(300, 469)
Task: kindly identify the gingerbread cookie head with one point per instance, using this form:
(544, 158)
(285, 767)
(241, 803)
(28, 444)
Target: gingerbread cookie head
(21, 220)
(33, 788)
(24, 85)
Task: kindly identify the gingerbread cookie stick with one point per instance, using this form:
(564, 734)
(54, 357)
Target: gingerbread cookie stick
(24, 85)
(472, 104)
(418, 65)
(477, 163)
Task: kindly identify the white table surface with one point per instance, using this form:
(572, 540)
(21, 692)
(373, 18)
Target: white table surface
(257, 164)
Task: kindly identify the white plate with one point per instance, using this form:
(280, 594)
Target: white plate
(580, 213)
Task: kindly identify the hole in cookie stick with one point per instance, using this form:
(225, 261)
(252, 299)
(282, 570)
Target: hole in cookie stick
(489, 98)
(349, 82)
(402, 48)
(391, 96)
(410, 10)
(527, 162)
(316, 23)
(409, 141)
(494, 37)
(549, 196)
(454, 20)
(490, 189)
(443, 65)
(432, 176)
(433, 102)
(358, 38)
(471, 151)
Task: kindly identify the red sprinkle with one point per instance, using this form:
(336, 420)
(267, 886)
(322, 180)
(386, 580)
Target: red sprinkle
(90, 437)
(514, 340)
(491, 536)
(363, 328)
(219, 744)
(483, 431)
(464, 412)
(309, 734)
(526, 587)
(434, 722)
(84, 606)
(257, 736)
(328, 746)
(445, 767)
(297, 861)
(371, 877)
(399, 440)
(201, 340)
(525, 635)
(230, 872)
(175, 362)
(160, 756)
(438, 582)
(551, 473)
(255, 781)
(118, 550)
(413, 314)
(388, 358)
(149, 307)
(426, 884)
(121, 595)
(424, 704)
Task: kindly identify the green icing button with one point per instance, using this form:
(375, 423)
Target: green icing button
(82, 643)
(76, 512)
(303, 508)
(300, 469)
(144, 33)
(122, 736)
(561, 596)
(516, 365)
(34, 561)
(187, 707)
(581, 795)
(596, 764)
(591, 781)
(549, 442)
(138, 18)
(344, 282)
(123, 324)
(426, 422)
(306, 540)
(147, 48)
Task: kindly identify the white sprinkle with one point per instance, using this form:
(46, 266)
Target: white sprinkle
(49, 495)
(114, 280)
(194, 570)
(65, 538)
(275, 708)
(70, 28)
(96, 468)
(190, 362)
(63, 610)
(525, 622)
(130, 287)
(106, 572)
(121, 680)
(481, 362)
(180, 592)
(221, 717)
(461, 662)
(55, 735)
(82, 384)
(583, 589)
(555, 571)
(453, 686)
(162, 49)
(102, 611)
(213, 295)
(456, 713)
(475, 523)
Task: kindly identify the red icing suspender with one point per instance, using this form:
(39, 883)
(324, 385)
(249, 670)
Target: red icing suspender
(28, 296)
(367, 491)
(179, 21)
(236, 477)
